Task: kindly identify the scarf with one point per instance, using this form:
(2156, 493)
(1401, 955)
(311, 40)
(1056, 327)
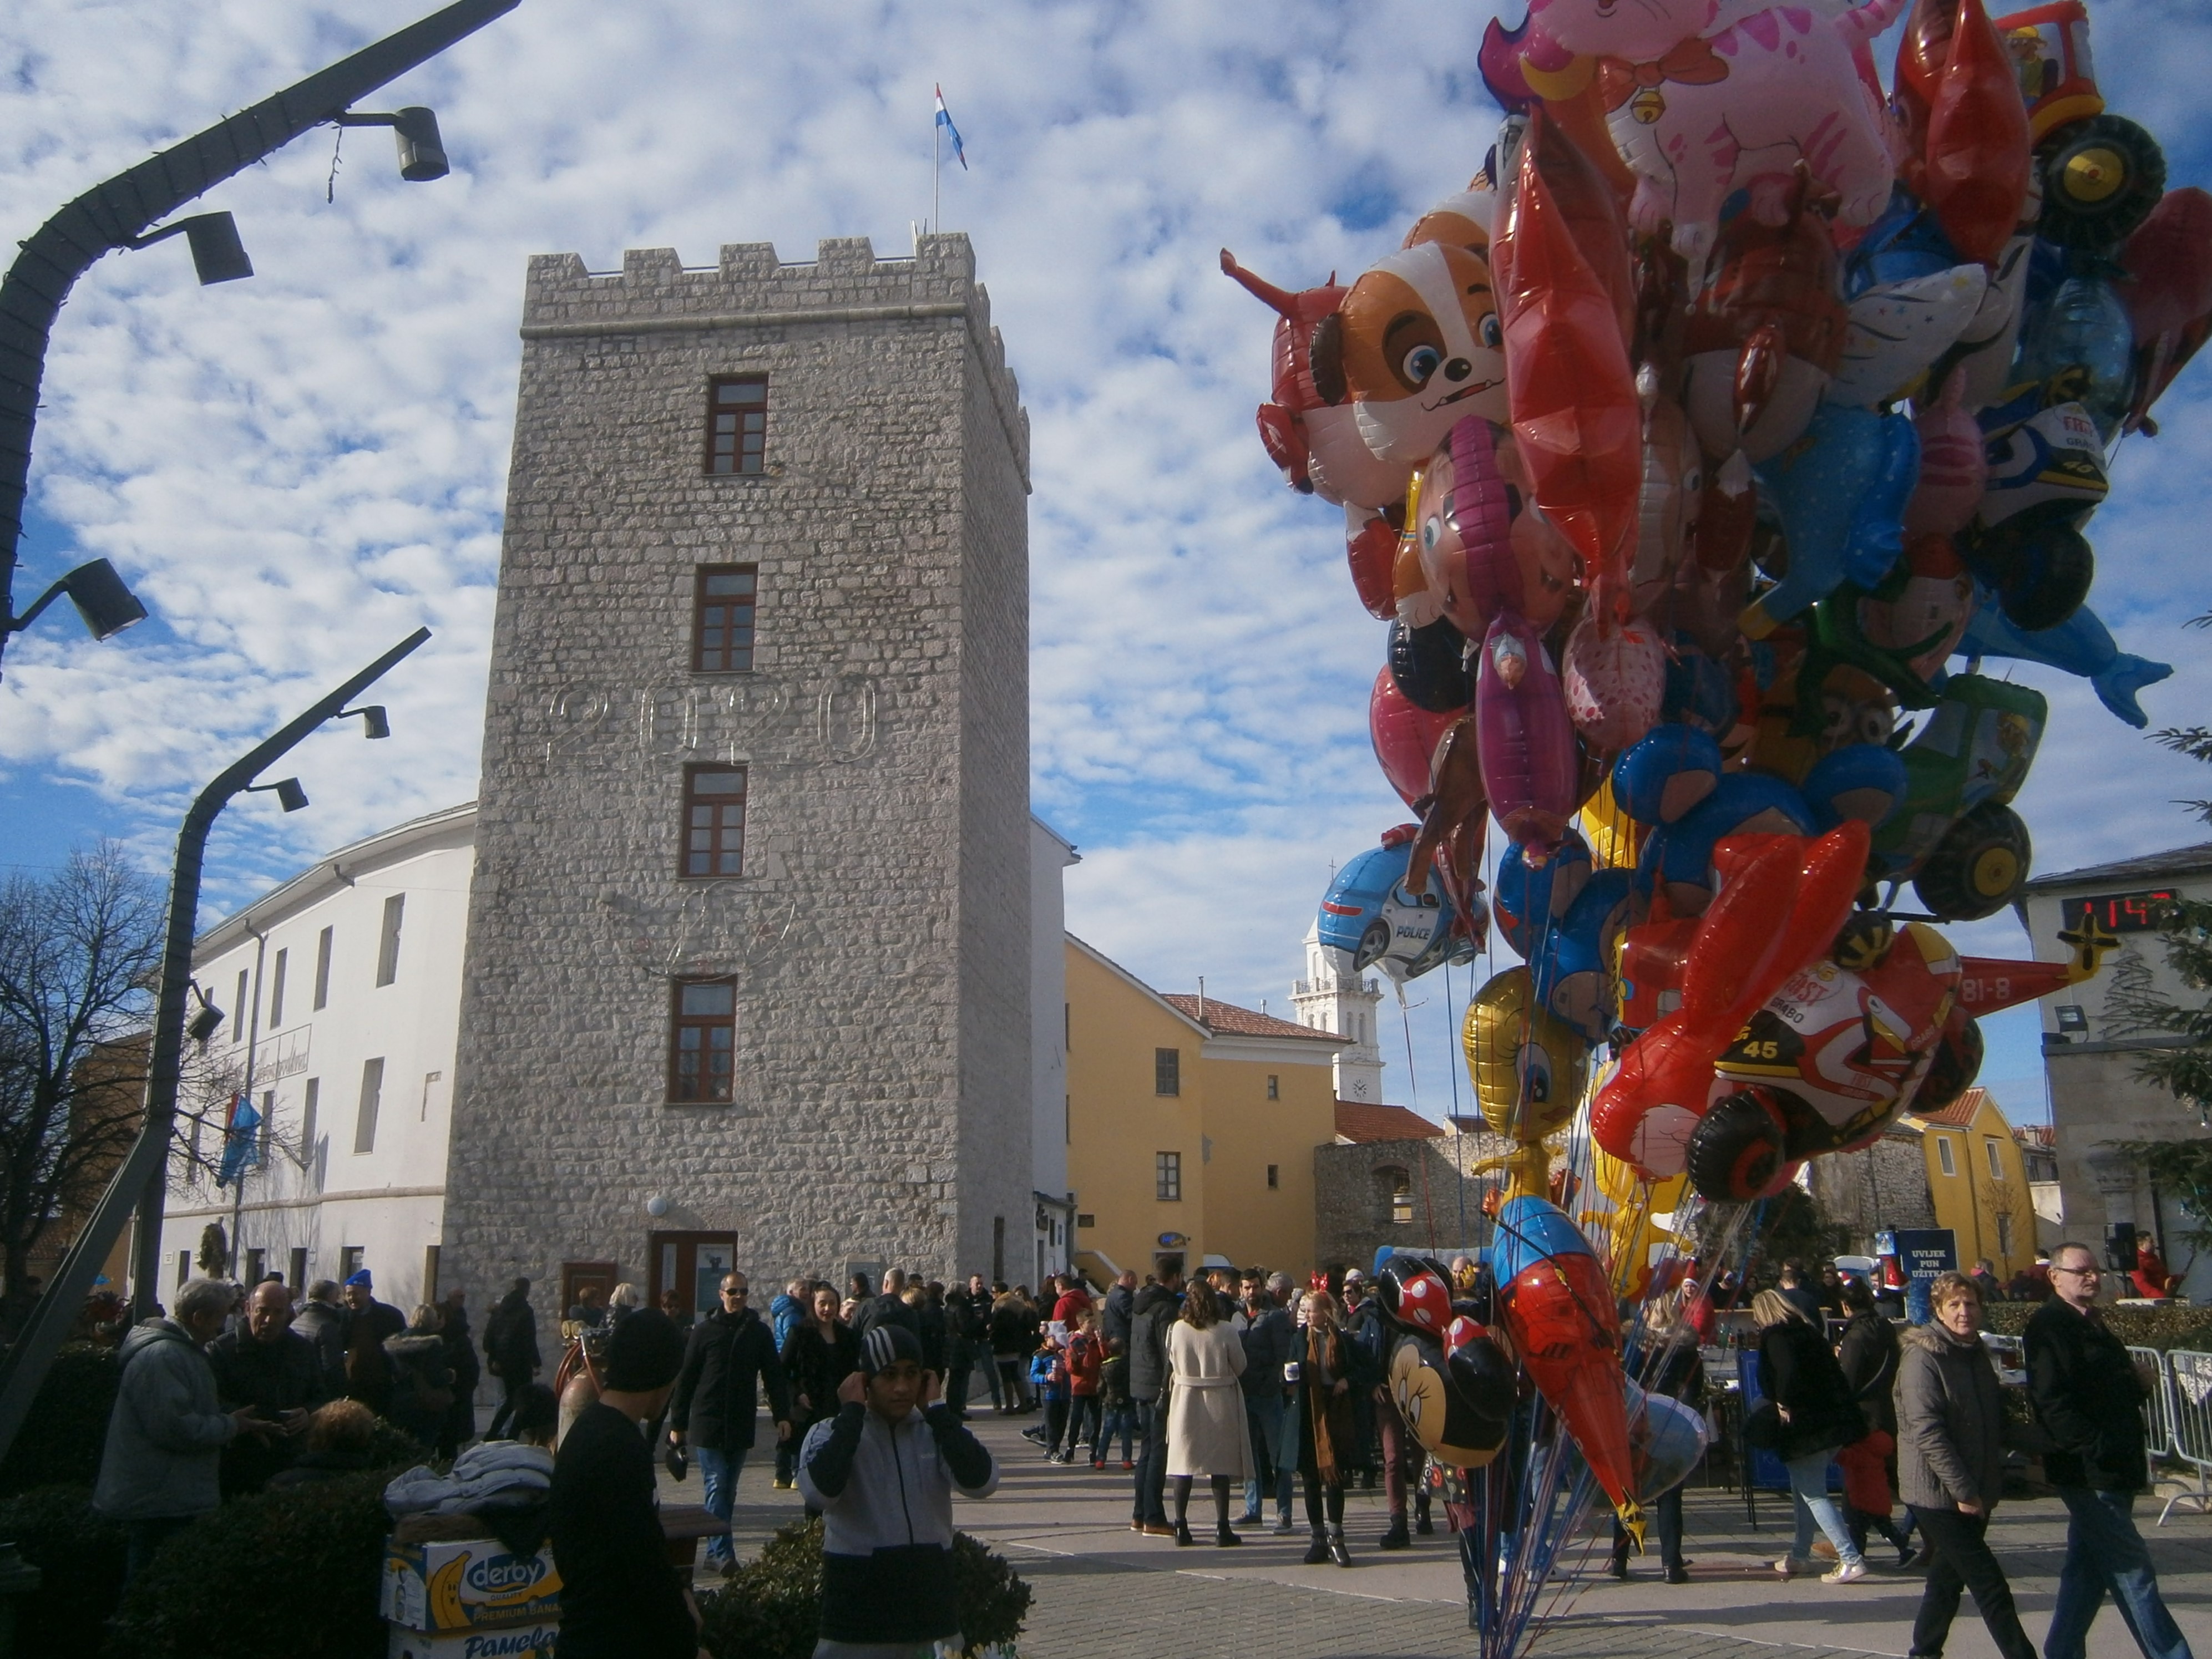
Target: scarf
(1321, 1376)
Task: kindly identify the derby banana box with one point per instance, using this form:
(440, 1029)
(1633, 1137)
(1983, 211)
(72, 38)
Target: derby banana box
(465, 1585)
(530, 1641)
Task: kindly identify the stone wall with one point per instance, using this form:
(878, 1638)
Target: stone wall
(1352, 1196)
(1881, 1187)
(879, 935)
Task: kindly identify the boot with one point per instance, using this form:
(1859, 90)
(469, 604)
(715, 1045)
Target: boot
(1223, 1538)
(1317, 1551)
(1422, 1525)
(1397, 1538)
(1183, 1532)
(1619, 1567)
(1337, 1552)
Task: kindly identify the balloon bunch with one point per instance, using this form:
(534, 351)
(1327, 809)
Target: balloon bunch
(1682, 453)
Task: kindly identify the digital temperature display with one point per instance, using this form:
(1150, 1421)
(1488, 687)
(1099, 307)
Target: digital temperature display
(2121, 912)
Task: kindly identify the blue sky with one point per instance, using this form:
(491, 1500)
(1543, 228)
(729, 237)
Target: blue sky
(297, 471)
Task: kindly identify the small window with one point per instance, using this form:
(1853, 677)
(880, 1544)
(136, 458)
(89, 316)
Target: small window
(1167, 1071)
(298, 1282)
(702, 1055)
(1393, 1192)
(323, 970)
(349, 1257)
(1085, 1219)
(184, 1266)
(1996, 1164)
(737, 424)
(1274, 1086)
(1274, 1175)
(310, 1108)
(372, 1099)
(387, 942)
(713, 820)
(276, 990)
(262, 1137)
(1944, 1155)
(1167, 1174)
(722, 619)
(256, 1266)
(238, 1015)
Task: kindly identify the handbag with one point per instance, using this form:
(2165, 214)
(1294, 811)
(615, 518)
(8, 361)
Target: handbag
(1762, 1427)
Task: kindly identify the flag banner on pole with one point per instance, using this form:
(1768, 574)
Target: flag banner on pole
(945, 120)
(241, 1150)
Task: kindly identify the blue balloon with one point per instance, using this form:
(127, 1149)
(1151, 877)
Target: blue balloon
(2081, 645)
(1853, 769)
(1530, 1230)
(1665, 1439)
(1840, 492)
(1523, 902)
(2081, 337)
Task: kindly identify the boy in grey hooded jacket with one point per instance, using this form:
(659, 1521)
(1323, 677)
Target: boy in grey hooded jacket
(882, 1473)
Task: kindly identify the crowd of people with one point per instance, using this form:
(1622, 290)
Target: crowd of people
(1244, 1381)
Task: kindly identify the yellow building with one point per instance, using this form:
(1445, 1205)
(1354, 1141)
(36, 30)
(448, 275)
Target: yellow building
(1191, 1126)
(1978, 1182)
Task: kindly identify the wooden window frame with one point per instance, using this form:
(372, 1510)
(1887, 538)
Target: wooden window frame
(680, 1022)
(738, 455)
(693, 801)
(702, 603)
(1167, 1073)
(1167, 1177)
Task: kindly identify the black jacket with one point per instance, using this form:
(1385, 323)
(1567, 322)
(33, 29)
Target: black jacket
(1113, 1320)
(273, 1378)
(1154, 1310)
(324, 1324)
(1797, 1371)
(935, 1339)
(968, 1318)
(814, 1367)
(1268, 1342)
(888, 1309)
(460, 1351)
(619, 1597)
(1870, 1355)
(511, 1339)
(2088, 1401)
(728, 1359)
(1677, 1370)
(1013, 1327)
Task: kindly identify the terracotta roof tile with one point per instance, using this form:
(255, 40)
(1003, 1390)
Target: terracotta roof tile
(1961, 1112)
(1357, 1120)
(1228, 1018)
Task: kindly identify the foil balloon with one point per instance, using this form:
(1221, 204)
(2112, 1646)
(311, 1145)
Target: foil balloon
(1415, 1295)
(1454, 826)
(1443, 1420)
(1404, 736)
(1481, 550)
(1925, 616)
(1668, 497)
(1429, 667)
(1614, 677)
(1954, 470)
(1966, 854)
(1529, 761)
(1666, 1438)
(1533, 899)
(1697, 119)
(1559, 1311)
(1416, 344)
(1841, 495)
(1897, 331)
(2081, 335)
(1975, 158)
(1576, 418)
(2169, 297)
(1528, 1069)
(2081, 645)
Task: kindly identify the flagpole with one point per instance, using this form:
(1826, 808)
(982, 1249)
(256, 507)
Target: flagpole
(936, 173)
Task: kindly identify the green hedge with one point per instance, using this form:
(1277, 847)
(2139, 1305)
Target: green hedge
(2139, 1328)
(82, 1556)
(772, 1608)
(60, 1441)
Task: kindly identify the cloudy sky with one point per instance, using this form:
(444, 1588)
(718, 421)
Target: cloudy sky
(295, 471)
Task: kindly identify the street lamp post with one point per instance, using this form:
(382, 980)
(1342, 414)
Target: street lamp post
(119, 213)
(141, 1183)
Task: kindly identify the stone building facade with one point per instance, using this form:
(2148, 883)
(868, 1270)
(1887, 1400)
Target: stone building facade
(1409, 1185)
(748, 969)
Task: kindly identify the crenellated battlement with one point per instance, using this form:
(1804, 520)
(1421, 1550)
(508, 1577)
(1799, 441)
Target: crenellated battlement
(751, 286)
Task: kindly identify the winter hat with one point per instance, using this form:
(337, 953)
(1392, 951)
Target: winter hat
(360, 1277)
(885, 1345)
(642, 1353)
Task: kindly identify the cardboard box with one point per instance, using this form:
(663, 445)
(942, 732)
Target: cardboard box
(440, 1588)
(531, 1641)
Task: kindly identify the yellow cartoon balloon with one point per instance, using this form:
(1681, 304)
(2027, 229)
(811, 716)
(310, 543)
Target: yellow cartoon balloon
(1529, 1066)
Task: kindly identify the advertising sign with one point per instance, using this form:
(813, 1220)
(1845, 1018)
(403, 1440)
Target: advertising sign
(1924, 1254)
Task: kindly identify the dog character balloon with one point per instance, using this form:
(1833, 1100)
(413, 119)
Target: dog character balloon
(1416, 344)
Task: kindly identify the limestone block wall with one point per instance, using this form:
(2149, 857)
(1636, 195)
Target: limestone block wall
(879, 933)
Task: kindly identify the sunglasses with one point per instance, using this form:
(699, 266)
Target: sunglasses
(2084, 1272)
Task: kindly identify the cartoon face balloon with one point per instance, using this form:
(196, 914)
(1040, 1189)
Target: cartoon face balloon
(1415, 1295)
(1442, 1419)
(1528, 1067)
(1416, 344)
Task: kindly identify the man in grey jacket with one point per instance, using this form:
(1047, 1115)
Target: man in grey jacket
(1950, 1467)
(161, 1469)
(1154, 1309)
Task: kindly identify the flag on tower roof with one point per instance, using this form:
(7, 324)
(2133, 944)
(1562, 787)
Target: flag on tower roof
(945, 120)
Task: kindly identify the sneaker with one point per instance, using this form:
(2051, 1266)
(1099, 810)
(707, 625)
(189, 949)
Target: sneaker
(787, 1486)
(1678, 1575)
(1906, 1555)
(1795, 1566)
(1127, 1464)
(1282, 1527)
(1846, 1572)
(1250, 1518)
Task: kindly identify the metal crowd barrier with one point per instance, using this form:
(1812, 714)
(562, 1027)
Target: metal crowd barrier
(2158, 1410)
(2186, 1399)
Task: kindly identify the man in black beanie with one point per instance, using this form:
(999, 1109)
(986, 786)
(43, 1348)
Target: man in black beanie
(620, 1598)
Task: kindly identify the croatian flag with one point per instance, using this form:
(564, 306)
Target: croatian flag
(240, 1151)
(945, 120)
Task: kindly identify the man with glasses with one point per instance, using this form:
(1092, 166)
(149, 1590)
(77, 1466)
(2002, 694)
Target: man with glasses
(2088, 1400)
(731, 1353)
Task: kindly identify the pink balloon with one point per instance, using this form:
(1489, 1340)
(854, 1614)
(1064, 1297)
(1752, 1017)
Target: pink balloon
(1615, 680)
(1465, 531)
(1529, 763)
(1404, 737)
(1953, 465)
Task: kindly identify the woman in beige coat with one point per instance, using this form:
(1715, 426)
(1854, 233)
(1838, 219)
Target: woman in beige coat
(1206, 1433)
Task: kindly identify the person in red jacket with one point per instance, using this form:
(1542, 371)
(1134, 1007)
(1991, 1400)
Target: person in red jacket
(1086, 1360)
(2151, 1277)
(1074, 1301)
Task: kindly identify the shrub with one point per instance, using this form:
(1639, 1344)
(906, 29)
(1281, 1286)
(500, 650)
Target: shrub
(60, 1442)
(772, 1608)
(2139, 1328)
(289, 1574)
(82, 1556)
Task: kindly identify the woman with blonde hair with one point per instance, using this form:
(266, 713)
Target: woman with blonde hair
(1799, 1374)
(1319, 1360)
(1207, 1431)
(1950, 1467)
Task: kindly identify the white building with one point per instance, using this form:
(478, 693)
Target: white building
(1333, 998)
(341, 991)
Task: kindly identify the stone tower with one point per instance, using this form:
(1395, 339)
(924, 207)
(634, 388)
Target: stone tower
(747, 978)
(1332, 997)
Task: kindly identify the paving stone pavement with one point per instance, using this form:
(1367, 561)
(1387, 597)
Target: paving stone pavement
(1101, 1590)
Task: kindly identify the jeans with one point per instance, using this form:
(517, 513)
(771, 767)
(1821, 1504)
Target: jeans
(1961, 1560)
(719, 1471)
(1274, 1461)
(1120, 1419)
(786, 1457)
(1056, 1424)
(1808, 1496)
(990, 1370)
(1152, 1465)
(1013, 1379)
(2103, 1552)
